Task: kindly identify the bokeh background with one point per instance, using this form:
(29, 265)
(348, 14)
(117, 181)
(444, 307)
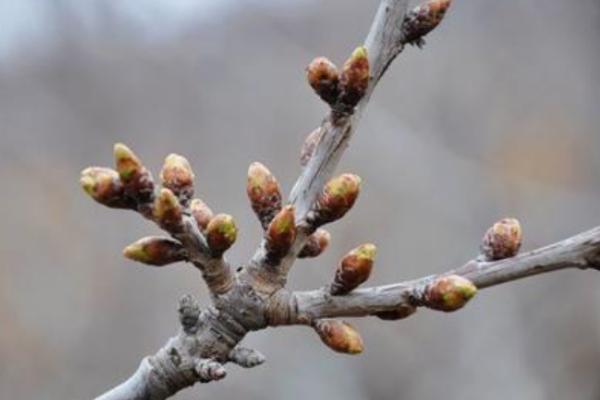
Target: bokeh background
(497, 116)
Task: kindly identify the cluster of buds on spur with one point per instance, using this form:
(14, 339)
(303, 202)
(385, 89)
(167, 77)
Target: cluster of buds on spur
(423, 19)
(263, 192)
(341, 90)
(157, 251)
(339, 336)
(221, 233)
(449, 293)
(281, 234)
(354, 269)
(337, 198)
(502, 240)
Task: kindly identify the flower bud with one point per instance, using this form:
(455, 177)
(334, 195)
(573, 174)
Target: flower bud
(316, 244)
(323, 77)
(104, 186)
(167, 210)
(502, 240)
(201, 213)
(354, 269)
(337, 198)
(449, 293)
(423, 19)
(264, 193)
(136, 178)
(309, 146)
(339, 336)
(355, 77)
(281, 233)
(221, 233)
(177, 175)
(156, 251)
(403, 311)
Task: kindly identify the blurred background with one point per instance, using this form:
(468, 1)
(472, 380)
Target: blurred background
(497, 116)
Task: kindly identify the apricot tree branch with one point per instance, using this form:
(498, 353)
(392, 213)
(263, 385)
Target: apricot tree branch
(581, 251)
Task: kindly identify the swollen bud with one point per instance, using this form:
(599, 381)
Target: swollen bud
(449, 293)
(502, 240)
(201, 213)
(264, 193)
(339, 336)
(177, 176)
(221, 233)
(355, 77)
(136, 178)
(156, 251)
(323, 77)
(167, 210)
(309, 146)
(423, 19)
(354, 269)
(281, 233)
(104, 186)
(337, 198)
(315, 244)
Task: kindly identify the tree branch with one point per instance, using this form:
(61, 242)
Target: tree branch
(581, 251)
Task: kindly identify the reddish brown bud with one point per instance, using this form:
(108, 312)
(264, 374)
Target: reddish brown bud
(337, 198)
(135, 177)
(449, 293)
(354, 269)
(355, 77)
(502, 240)
(264, 193)
(339, 336)
(104, 186)
(177, 176)
(403, 311)
(167, 210)
(423, 19)
(281, 233)
(156, 251)
(309, 146)
(201, 213)
(316, 244)
(323, 77)
(221, 233)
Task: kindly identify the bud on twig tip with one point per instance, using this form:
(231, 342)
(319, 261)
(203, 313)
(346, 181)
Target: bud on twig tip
(281, 232)
(157, 251)
(177, 175)
(337, 198)
(167, 210)
(339, 336)
(423, 19)
(355, 76)
(323, 77)
(354, 269)
(502, 240)
(449, 293)
(263, 192)
(135, 177)
(221, 233)
(105, 187)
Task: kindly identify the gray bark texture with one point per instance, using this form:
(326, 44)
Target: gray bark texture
(253, 297)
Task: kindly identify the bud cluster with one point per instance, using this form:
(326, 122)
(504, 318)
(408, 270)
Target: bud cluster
(340, 89)
(339, 336)
(354, 269)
